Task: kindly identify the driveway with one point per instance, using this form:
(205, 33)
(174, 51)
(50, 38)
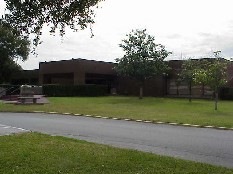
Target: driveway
(196, 144)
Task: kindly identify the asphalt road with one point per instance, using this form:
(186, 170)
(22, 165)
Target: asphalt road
(197, 144)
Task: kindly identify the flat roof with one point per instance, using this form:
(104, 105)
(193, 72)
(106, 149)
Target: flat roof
(76, 59)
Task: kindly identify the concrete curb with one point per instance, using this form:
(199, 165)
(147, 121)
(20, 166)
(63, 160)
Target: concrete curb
(143, 121)
(135, 120)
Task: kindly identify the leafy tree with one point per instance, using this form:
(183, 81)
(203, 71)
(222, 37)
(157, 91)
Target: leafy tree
(143, 58)
(202, 64)
(12, 47)
(177, 82)
(214, 75)
(7, 68)
(187, 74)
(29, 16)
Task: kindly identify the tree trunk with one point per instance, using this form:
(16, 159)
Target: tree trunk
(177, 90)
(141, 92)
(190, 92)
(203, 90)
(216, 101)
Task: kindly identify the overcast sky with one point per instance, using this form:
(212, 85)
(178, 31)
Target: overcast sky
(188, 28)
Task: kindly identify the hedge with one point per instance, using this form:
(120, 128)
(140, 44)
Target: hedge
(71, 91)
(226, 93)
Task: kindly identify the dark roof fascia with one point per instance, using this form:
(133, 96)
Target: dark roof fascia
(78, 59)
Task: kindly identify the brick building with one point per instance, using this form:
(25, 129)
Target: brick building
(81, 71)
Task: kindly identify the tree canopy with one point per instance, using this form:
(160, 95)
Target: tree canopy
(187, 74)
(24, 20)
(214, 75)
(143, 58)
(12, 44)
(12, 47)
(29, 16)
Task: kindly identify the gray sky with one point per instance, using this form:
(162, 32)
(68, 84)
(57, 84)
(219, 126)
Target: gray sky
(191, 28)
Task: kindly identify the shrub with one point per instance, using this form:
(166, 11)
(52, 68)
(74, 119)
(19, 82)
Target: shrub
(226, 93)
(11, 89)
(54, 90)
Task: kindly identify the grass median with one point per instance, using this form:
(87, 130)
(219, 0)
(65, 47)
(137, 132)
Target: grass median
(43, 154)
(199, 112)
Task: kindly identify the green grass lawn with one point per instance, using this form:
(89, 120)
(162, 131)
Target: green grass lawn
(157, 109)
(34, 153)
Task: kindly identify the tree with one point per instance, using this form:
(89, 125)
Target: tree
(143, 58)
(187, 74)
(203, 64)
(177, 82)
(7, 68)
(29, 16)
(214, 75)
(12, 46)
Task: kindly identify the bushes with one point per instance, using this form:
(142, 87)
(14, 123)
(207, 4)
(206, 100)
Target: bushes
(70, 91)
(226, 93)
(11, 89)
(63, 90)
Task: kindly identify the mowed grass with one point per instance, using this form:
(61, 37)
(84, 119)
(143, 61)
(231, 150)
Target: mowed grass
(31, 153)
(199, 112)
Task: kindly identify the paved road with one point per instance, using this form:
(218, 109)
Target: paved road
(204, 145)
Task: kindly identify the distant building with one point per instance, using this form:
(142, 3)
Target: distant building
(82, 71)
